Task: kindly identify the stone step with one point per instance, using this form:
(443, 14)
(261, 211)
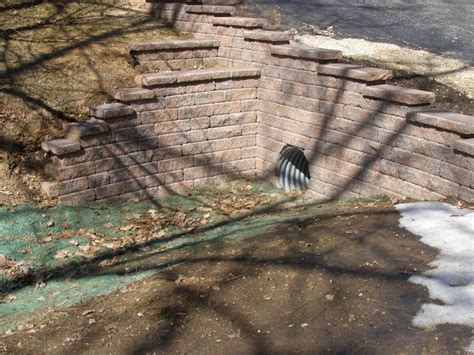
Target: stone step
(77, 130)
(269, 36)
(407, 96)
(215, 10)
(188, 76)
(304, 52)
(242, 22)
(465, 146)
(61, 146)
(449, 121)
(354, 71)
(112, 110)
(133, 94)
(172, 45)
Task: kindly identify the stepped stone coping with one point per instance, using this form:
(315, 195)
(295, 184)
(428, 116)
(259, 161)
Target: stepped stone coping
(172, 45)
(188, 76)
(61, 146)
(112, 110)
(465, 146)
(133, 94)
(210, 9)
(247, 22)
(268, 36)
(91, 127)
(399, 94)
(450, 121)
(354, 71)
(304, 52)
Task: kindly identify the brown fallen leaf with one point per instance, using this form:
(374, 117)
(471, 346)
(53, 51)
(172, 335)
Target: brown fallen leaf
(88, 311)
(62, 254)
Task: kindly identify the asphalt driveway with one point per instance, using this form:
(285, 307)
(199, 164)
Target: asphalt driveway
(444, 27)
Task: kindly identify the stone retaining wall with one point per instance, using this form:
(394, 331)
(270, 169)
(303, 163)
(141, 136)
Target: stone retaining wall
(169, 136)
(244, 91)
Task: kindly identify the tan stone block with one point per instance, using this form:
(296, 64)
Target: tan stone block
(249, 128)
(61, 146)
(197, 136)
(196, 111)
(240, 94)
(420, 193)
(217, 157)
(455, 174)
(466, 194)
(201, 87)
(179, 101)
(200, 123)
(171, 90)
(174, 164)
(225, 108)
(173, 139)
(399, 94)
(224, 132)
(97, 180)
(162, 153)
(354, 71)
(172, 127)
(58, 173)
(158, 116)
(192, 148)
(209, 97)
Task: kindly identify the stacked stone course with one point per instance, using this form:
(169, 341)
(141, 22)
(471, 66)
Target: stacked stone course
(223, 103)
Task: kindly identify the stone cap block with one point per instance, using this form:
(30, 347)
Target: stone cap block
(76, 130)
(268, 36)
(399, 94)
(188, 76)
(246, 22)
(172, 45)
(354, 71)
(211, 9)
(154, 79)
(465, 146)
(450, 121)
(61, 146)
(304, 52)
(111, 110)
(133, 94)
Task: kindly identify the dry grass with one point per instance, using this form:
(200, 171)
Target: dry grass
(56, 59)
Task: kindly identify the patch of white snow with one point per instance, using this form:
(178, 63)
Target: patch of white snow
(451, 280)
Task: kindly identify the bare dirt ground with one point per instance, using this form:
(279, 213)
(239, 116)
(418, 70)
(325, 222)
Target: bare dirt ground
(334, 283)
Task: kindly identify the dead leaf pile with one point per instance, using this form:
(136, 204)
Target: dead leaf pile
(140, 229)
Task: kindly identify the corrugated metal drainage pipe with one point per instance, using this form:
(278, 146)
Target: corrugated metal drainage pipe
(293, 169)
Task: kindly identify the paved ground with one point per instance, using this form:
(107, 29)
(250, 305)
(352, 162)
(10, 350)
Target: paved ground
(445, 27)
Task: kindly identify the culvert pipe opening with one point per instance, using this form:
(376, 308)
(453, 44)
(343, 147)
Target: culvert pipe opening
(293, 169)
